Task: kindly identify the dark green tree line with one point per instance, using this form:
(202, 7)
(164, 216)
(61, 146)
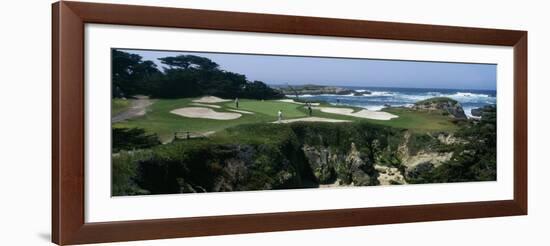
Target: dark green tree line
(184, 76)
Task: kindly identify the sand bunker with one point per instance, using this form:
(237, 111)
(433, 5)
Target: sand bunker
(205, 105)
(364, 113)
(301, 103)
(204, 113)
(312, 119)
(240, 111)
(210, 99)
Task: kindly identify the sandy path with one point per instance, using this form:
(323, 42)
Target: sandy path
(311, 119)
(240, 111)
(301, 103)
(364, 113)
(137, 108)
(205, 113)
(205, 105)
(189, 135)
(210, 99)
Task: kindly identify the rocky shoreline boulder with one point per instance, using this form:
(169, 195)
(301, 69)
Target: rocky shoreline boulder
(389, 175)
(446, 105)
(478, 112)
(358, 94)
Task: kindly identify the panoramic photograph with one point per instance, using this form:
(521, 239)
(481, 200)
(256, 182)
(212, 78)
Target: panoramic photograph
(198, 122)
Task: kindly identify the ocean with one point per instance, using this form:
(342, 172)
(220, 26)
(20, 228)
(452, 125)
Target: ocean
(381, 97)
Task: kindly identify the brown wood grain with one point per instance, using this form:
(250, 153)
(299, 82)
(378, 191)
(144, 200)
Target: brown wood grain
(520, 122)
(68, 122)
(68, 19)
(55, 123)
(251, 22)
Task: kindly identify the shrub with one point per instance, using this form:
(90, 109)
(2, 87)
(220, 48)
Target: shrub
(124, 172)
(132, 138)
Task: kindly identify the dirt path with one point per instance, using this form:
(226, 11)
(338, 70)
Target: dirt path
(137, 108)
(311, 119)
(240, 111)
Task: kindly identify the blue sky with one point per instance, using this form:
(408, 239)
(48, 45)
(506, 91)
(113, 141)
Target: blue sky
(347, 72)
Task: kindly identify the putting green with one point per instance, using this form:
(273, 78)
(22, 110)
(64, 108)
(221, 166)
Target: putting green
(269, 108)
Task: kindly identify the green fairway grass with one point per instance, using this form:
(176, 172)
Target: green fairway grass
(159, 120)
(419, 120)
(269, 108)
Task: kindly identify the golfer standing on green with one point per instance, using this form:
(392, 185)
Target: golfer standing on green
(280, 115)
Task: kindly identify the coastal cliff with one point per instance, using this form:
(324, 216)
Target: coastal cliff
(301, 155)
(340, 168)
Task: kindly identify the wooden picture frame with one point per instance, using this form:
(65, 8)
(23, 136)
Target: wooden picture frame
(68, 223)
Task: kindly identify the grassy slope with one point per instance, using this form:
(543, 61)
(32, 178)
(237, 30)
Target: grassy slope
(268, 108)
(159, 119)
(419, 120)
(119, 105)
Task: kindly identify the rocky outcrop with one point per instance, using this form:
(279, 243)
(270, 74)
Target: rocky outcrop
(223, 168)
(352, 168)
(315, 90)
(358, 169)
(323, 162)
(358, 94)
(425, 159)
(389, 175)
(447, 139)
(446, 105)
(311, 155)
(421, 157)
(478, 112)
(234, 172)
(328, 167)
(250, 167)
(419, 169)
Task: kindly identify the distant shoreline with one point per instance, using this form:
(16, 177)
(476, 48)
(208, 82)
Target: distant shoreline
(378, 98)
(277, 86)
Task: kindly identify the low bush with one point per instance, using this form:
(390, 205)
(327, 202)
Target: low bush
(132, 138)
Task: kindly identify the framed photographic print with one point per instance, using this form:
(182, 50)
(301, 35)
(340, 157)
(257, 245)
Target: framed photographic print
(177, 122)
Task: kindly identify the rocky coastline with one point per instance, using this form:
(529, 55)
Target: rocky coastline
(317, 90)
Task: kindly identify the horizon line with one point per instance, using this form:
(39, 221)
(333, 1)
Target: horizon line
(392, 87)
